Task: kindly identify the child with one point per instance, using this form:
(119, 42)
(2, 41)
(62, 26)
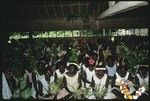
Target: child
(111, 69)
(72, 80)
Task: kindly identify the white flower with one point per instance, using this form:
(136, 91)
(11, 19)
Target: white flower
(125, 96)
(122, 82)
(138, 93)
(135, 96)
(142, 89)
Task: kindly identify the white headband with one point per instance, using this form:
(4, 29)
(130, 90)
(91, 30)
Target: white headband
(72, 64)
(100, 68)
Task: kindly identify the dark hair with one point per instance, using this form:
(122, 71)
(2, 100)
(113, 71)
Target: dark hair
(123, 59)
(74, 66)
(59, 63)
(111, 58)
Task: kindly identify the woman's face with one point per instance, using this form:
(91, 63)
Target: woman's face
(71, 69)
(91, 68)
(99, 73)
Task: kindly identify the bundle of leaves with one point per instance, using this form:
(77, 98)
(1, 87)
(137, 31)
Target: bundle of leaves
(106, 53)
(55, 87)
(133, 56)
(87, 92)
(73, 55)
(146, 86)
(99, 92)
(77, 94)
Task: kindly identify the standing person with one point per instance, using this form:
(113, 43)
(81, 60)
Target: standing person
(72, 80)
(111, 69)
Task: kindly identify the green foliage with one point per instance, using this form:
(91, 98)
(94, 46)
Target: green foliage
(99, 92)
(74, 56)
(55, 87)
(77, 94)
(134, 56)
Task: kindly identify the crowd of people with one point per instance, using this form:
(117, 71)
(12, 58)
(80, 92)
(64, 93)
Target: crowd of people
(79, 64)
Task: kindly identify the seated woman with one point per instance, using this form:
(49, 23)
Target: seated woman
(88, 72)
(60, 70)
(142, 79)
(72, 80)
(100, 79)
(41, 82)
(24, 85)
(122, 73)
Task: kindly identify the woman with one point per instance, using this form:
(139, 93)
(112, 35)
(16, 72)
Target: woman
(88, 72)
(24, 85)
(100, 80)
(142, 79)
(72, 80)
(60, 70)
(41, 82)
(122, 73)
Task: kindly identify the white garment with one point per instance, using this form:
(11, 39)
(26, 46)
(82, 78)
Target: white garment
(111, 70)
(59, 75)
(45, 84)
(109, 94)
(72, 82)
(143, 80)
(119, 77)
(83, 66)
(6, 93)
(101, 82)
(89, 74)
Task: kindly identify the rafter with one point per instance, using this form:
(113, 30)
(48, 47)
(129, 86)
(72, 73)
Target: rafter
(38, 11)
(79, 8)
(29, 9)
(71, 7)
(62, 11)
(54, 9)
(46, 11)
(87, 5)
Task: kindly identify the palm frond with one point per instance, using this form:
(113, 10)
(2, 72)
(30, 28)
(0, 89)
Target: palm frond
(100, 92)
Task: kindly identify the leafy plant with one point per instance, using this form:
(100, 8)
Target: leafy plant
(99, 92)
(77, 94)
(55, 87)
(134, 56)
